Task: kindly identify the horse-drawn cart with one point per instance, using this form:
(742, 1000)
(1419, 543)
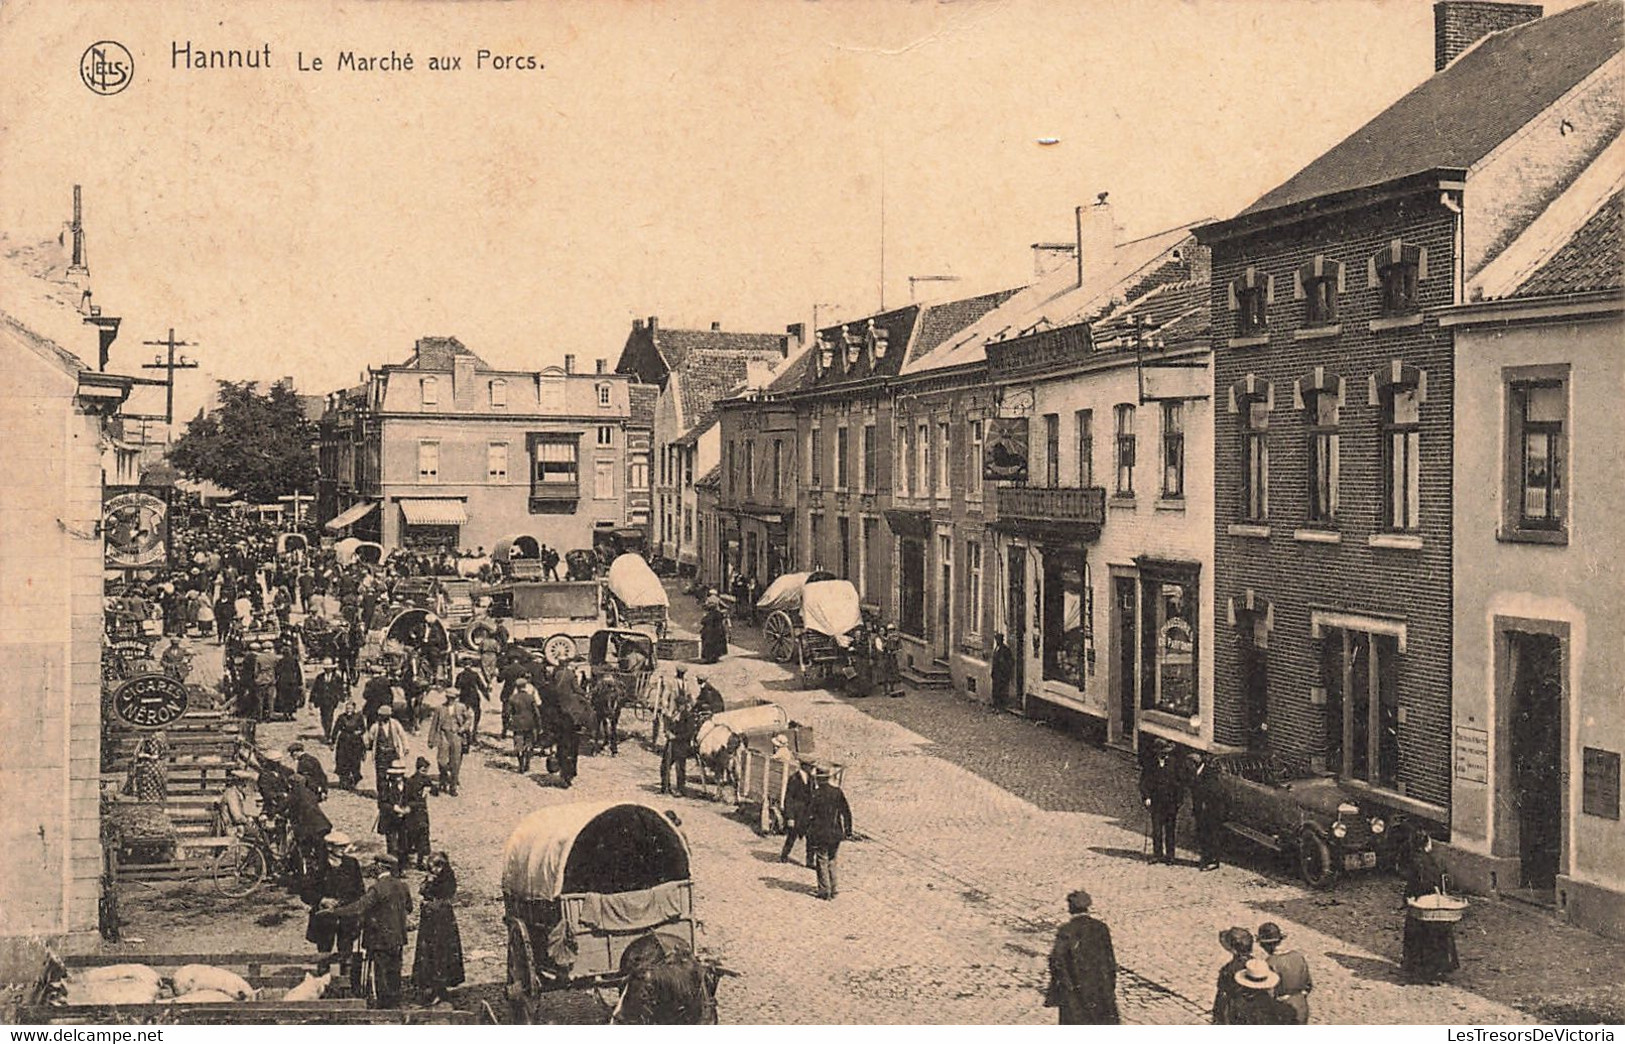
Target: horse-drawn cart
(780, 609)
(635, 595)
(581, 884)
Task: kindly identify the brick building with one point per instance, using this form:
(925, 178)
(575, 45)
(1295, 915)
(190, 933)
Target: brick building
(1334, 388)
(445, 451)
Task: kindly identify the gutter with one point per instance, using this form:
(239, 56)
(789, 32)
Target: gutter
(1447, 179)
(1553, 307)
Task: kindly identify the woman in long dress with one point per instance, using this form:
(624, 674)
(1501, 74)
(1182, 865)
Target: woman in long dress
(1429, 947)
(438, 963)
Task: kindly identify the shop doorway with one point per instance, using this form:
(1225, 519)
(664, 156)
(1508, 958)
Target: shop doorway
(945, 596)
(1536, 731)
(1125, 598)
(1015, 615)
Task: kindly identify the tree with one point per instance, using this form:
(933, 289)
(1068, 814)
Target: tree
(260, 445)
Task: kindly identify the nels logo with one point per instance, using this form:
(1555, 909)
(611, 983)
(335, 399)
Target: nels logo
(106, 67)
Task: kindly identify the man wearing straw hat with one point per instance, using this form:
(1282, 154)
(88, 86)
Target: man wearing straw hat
(1254, 1003)
(1083, 969)
(338, 882)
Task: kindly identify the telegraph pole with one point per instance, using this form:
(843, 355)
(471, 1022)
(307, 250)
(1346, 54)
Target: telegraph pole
(169, 366)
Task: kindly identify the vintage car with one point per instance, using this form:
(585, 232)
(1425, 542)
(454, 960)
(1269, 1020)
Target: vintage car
(1281, 804)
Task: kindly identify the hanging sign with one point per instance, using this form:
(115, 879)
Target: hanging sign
(1005, 458)
(135, 526)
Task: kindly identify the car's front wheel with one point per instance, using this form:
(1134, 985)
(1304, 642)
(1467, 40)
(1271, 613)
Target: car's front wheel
(1315, 861)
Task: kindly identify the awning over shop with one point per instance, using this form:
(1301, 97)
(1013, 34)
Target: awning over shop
(439, 512)
(351, 515)
(909, 523)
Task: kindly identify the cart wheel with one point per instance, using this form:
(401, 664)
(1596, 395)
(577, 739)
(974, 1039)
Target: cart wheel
(239, 870)
(780, 635)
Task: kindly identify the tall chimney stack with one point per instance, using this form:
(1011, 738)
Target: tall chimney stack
(1458, 24)
(716, 327)
(1097, 237)
(78, 265)
(599, 364)
(569, 364)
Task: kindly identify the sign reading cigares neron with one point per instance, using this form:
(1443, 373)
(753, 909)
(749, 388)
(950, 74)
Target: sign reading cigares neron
(135, 526)
(1006, 456)
(150, 701)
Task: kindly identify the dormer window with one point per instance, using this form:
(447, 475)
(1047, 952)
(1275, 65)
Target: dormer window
(429, 391)
(603, 396)
(499, 393)
(1319, 284)
(1250, 295)
(1397, 271)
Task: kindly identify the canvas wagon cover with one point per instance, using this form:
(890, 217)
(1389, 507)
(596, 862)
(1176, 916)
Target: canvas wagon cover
(633, 582)
(831, 607)
(783, 593)
(639, 848)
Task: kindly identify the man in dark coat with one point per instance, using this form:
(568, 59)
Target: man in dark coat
(383, 912)
(1083, 969)
(309, 769)
(573, 715)
(328, 691)
(1254, 1002)
(708, 698)
(1004, 672)
(1238, 942)
(523, 717)
(1206, 812)
(337, 883)
(309, 825)
(290, 683)
(1160, 791)
(375, 694)
(473, 688)
(416, 791)
(829, 822)
(797, 795)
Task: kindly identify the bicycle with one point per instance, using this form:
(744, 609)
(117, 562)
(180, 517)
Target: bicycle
(263, 849)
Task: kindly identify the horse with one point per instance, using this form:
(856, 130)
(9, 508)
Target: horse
(608, 694)
(666, 985)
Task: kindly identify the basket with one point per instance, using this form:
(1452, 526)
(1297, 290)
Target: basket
(1437, 908)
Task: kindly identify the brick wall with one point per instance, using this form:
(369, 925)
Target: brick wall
(1458, 24)
(1292, 575)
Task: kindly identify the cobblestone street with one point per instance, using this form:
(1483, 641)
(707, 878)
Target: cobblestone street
(972, 827)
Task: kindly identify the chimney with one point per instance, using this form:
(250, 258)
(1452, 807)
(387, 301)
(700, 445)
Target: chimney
(1458, 24)
(930, 289)
(569, 364)
(654, 321)
(462, 375)
(637, 325)
(758, 372)
(1047, 257)
(1097, 237)
(599, 364)
(716, 327)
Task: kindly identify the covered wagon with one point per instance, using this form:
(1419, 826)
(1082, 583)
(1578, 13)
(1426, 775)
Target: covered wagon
(636, 597)
(581, 883)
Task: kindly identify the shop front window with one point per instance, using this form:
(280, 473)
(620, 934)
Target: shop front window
(1169, 645)
(1068, 615)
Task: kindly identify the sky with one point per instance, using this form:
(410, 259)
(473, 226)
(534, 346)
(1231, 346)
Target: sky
(721, 161)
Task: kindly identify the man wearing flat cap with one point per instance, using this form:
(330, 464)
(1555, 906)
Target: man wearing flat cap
(1083, 969)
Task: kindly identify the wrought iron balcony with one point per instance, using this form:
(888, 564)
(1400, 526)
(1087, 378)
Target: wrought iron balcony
(1053, 505)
